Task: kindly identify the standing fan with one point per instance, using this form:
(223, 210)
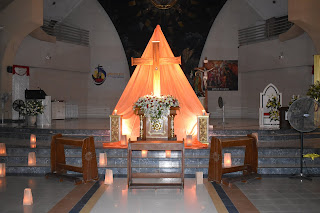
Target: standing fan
(303, 115)
(17, 104)
(221, 105)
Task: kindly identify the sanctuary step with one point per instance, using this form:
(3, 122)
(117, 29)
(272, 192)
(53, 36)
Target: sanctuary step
(278, 151)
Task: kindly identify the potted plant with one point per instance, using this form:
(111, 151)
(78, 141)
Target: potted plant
(273, 104)
(314, 91)
(30, 110)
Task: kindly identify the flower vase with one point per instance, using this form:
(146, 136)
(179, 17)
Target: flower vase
(31, 120)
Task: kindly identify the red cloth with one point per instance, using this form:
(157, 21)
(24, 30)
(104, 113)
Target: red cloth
(173, 82)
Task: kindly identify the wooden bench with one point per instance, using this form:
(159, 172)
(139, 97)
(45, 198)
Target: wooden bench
(155, 146)
(59, 167)
(250, 165)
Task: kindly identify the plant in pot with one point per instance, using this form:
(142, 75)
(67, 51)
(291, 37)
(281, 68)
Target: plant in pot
(30, 110)
(314, 91)
(273, 104)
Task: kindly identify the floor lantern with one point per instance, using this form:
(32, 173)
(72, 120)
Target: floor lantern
(144, 153)
(227, 160)
(32, 159)
(108, 179)
(103, 159)
(33, 140)
(27, 197)
(2, 169)
(3, 150)
(123, 141)
(168, 153)
(189, 140)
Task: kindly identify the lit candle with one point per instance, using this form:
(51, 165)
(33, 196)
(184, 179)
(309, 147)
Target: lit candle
(3, 149)
(189, 140)
(32, 159)
(203, 112)
(27, 197)
(227, 159)
(108, 178)
(168, 153)
(2, 169)
(144, 153)
(123, 141)
(33, 140)
(103, 159)
(115, 112)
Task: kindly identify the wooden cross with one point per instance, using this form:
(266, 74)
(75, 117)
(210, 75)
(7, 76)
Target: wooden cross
(155, 61)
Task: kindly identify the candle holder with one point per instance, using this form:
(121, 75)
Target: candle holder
(144, 153)
(108, 178)
(227, 160)
(168, 153)
(27, 197)
(189, 140)
(3, 150)
(32, 159)
(103, 159)
(33, 140)
(2, 169)
(123, 141)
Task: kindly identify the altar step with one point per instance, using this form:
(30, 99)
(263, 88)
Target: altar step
(271, 161)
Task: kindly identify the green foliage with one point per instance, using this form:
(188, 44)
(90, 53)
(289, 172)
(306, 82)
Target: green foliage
(273, 104)
(32, 107)
(314, 91)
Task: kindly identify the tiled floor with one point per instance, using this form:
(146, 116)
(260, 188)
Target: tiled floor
(270, 194)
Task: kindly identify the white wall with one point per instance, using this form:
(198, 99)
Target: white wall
(105, 49)
(63, 75)
(222, 44)
(258, 63)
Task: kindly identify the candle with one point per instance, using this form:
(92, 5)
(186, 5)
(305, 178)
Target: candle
(33, 140)
(115, 112)
(27, 197)
(32, 159)
(2, 169)
(168, 153)
(227, 160)
(189, 140)
(203, 112)
(144, 153)
(3, 149)
(123, 141)
(108, 178)
(103, 159)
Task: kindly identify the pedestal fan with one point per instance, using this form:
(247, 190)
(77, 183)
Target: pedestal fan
(221, 105)
(17, 104)
(303, 115)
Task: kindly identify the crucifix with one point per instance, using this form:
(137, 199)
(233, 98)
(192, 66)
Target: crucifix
(155, 61)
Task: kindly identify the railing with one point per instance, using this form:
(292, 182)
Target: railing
(271, 28)
(66, 33)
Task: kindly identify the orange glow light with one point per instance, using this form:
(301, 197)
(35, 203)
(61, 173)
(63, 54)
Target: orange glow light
(27, 197)
(103, 159)
(108, 179)
(189, 140)
(32, 159)
(3, 149)
(2, 169)
(168, 153)
(144, 153)
(123, 141)
(227, 160)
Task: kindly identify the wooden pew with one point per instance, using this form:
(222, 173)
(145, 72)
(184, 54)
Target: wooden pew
(250, 165)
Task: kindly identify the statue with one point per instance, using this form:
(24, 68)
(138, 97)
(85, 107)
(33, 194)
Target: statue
(205, 76)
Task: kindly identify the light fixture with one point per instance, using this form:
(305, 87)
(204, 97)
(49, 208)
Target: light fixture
(3, 150)
(205, 60)
(32, 159)
(227, 160)
(115, 112)
(144, 153)
(281, 56)
(108, 178)
(168, 153)
(103, 159)
(27, 197)
(2, 169)
(33, 140)
(189, 140)
(123, 140)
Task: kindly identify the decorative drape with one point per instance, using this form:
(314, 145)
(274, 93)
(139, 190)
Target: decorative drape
(172, 82)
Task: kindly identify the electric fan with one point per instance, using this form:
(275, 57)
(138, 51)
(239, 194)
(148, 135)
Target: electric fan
(303, 115)
(17, 104)
(221, 105)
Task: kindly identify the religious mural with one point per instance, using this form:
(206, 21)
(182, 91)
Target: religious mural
(185, 23)
(219, 75)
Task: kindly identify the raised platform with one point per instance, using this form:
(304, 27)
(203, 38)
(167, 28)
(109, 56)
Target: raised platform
(278, 149)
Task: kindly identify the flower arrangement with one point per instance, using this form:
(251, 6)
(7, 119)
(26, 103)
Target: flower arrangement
(156, 107)
(273, 104)
(314, 91)
(32, 107)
